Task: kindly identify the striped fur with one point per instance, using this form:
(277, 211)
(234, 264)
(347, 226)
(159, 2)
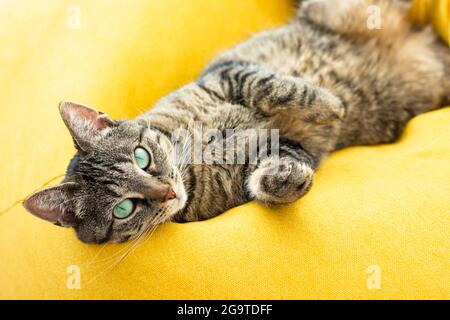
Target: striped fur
(324, 80)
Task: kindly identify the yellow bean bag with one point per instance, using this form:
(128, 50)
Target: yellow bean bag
(375, 225)
(435, 13)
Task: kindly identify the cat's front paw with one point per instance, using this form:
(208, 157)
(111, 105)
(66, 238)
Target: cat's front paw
(280, 181)
(326, 108)
(315, 104)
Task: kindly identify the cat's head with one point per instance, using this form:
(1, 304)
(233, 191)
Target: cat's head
(122, 181)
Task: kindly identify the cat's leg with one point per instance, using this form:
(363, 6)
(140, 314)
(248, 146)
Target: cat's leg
(256, 87)
(279, 181)
(384, 20)
(331, 13)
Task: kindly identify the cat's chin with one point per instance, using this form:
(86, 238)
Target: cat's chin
(180, 200)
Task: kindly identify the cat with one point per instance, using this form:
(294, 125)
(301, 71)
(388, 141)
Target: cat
(325, 81)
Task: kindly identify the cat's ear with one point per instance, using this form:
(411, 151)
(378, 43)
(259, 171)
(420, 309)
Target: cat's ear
(54, 204)
(84, 123)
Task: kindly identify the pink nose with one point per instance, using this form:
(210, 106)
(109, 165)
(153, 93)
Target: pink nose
(170, 194)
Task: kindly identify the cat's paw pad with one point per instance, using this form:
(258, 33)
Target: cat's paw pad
(280, 182)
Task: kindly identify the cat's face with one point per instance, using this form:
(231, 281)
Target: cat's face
(122, 182)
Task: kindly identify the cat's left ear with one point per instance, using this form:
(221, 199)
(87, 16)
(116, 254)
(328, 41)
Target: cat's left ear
(84, 123)
(54, 204)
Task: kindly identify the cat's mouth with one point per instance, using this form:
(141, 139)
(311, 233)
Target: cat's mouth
(179, 201)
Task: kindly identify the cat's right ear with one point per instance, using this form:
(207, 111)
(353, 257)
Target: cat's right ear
(84, 123)
(54, 204)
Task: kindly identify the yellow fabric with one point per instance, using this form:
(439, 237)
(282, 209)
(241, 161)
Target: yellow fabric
(434, 12)
(383, 207)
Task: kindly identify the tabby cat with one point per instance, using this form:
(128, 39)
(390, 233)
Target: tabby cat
(325, 81)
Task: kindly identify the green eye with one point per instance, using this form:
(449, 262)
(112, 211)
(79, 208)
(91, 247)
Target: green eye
(142, 158)
(123, 209)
